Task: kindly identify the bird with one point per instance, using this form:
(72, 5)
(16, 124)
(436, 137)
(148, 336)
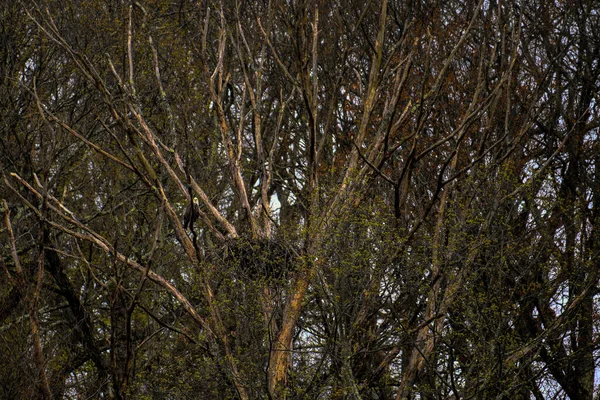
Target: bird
(192, 212)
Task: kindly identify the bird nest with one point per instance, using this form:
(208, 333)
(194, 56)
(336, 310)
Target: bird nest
(259, 258)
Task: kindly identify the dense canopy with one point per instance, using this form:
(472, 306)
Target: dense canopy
(397, 199)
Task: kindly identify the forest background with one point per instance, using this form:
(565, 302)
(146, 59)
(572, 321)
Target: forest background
(396, 199)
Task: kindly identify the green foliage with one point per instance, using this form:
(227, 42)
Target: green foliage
(400, 197)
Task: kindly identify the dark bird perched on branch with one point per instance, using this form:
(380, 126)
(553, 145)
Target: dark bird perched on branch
(191, 214)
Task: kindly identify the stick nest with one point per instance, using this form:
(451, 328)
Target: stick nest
(260, 258)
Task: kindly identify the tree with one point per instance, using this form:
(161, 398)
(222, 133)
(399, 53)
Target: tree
(396, 199)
